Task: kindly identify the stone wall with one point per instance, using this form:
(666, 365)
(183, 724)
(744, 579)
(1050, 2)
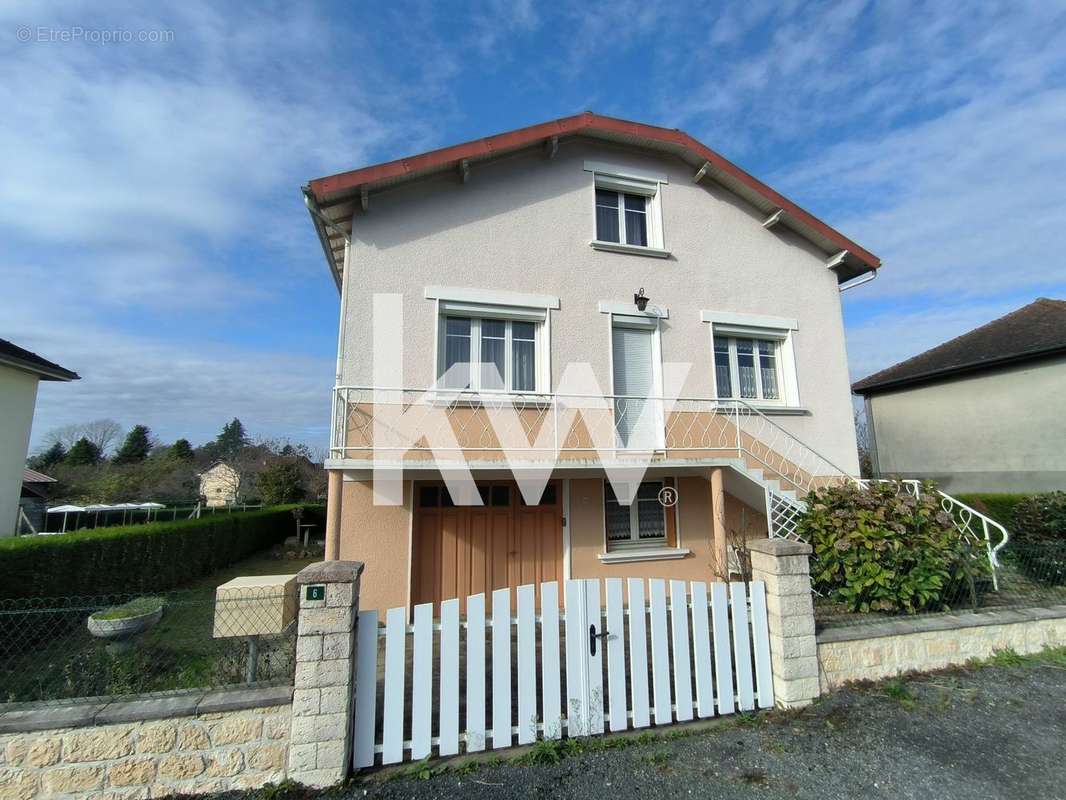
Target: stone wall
(881, 650)
(204, 752)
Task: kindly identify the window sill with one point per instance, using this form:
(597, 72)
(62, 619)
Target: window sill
(632, 249)
(649, 554)
(773, 410)
(464, 398)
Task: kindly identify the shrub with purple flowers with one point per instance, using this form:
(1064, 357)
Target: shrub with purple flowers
(882, 549)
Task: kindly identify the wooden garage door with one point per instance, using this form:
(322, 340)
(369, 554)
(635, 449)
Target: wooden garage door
(465, 550)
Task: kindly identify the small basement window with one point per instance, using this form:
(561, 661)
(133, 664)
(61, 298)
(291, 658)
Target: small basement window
(640, 524)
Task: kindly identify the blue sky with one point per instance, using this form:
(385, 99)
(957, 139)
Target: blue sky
(154, 237)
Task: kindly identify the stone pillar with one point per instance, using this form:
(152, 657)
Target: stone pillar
(785, 568)
(323, 690)
(334, 501)
(721, 537)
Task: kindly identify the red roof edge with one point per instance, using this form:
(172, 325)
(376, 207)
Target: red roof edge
(522, 137)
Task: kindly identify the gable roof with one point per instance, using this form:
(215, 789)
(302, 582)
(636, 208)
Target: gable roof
(332, 200)
(11, 355)
(1033, 331)
(33, 476)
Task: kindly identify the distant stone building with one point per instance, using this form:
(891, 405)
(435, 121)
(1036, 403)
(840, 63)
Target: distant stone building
(220, 485)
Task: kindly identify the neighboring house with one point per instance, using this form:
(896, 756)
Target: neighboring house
(981, 413)
(220, 485)
(34, 500)
(506, 263)
(20, 372)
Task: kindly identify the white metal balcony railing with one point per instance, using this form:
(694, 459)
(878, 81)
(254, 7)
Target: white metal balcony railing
(534, 427)
(548, 427)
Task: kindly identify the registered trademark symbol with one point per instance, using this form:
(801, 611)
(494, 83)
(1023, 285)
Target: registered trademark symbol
(668, 496)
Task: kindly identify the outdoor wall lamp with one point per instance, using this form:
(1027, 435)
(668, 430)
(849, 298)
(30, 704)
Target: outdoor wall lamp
(640, 300)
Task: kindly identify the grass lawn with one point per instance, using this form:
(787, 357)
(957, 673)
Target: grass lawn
(48, 654)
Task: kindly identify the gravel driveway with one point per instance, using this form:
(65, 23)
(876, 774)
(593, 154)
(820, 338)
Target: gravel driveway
(996, 732)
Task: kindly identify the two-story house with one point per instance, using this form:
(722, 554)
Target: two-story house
(608, 311)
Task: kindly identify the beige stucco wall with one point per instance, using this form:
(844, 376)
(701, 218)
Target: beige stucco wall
(207, 753)
(695, 511)
(18, 395)
(524, 223)
(380, 537)
(995, 431)
(875, 658)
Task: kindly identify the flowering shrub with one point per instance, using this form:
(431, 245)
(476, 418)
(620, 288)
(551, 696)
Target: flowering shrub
(880, 549)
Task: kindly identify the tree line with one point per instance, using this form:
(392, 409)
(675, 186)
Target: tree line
(93, 463)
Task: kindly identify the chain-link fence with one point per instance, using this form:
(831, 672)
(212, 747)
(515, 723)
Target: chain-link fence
(54, 649)
(1030, 574)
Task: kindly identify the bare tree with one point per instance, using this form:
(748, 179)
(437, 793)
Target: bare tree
(104, 433)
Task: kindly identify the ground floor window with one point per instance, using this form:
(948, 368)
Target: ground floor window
(640, 524)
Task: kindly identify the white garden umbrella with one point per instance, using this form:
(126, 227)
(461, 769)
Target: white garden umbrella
(64, 510)
(150, 507)
(96, 508)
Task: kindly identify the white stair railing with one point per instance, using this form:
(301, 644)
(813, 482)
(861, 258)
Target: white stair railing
(972, 525)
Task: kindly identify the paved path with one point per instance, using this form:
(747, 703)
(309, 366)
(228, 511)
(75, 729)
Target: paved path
(991, 733)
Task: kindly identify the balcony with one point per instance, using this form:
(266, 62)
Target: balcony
(420, 427)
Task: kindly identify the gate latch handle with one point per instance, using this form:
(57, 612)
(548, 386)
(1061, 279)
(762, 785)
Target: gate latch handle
(593, 636)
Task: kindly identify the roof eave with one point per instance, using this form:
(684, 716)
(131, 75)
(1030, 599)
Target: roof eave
(345, 187)
(45, 373)
(940, 374)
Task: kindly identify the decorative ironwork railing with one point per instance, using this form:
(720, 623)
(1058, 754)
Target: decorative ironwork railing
(972, 525)
(445, 425)
(417, 424)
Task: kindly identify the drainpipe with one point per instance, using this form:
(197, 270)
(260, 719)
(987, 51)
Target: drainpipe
(335, 494)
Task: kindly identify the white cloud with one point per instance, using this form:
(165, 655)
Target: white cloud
(188, 390)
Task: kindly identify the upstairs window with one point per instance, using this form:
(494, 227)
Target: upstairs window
(489, 355)
(621, 218)
(628, 208)
(747, 368)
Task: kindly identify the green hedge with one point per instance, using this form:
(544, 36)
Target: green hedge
(998, 506)
(138, 558)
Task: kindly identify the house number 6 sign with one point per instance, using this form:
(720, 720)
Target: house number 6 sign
(668, 497)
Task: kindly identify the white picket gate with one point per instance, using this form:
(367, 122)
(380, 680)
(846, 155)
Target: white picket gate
(715, 642)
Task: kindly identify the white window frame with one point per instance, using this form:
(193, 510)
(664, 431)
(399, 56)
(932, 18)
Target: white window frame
(634, 541)
(625, 180)
(779, 330)
(734, 369)
(628, 316)
(476, 313)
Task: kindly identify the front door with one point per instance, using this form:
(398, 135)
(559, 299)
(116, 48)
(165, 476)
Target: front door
(464, 550)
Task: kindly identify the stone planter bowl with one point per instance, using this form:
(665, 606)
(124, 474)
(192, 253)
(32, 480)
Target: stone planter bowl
(123, 627)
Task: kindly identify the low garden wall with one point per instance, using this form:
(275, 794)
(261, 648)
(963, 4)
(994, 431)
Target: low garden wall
(883, 649)
(189, 743)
